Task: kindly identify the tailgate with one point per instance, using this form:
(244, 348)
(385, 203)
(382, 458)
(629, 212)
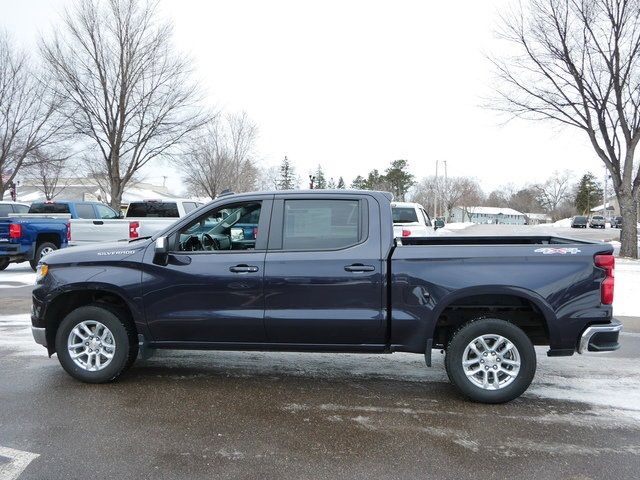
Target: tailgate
(96, 230)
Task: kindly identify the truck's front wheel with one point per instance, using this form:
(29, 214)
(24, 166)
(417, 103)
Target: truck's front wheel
(491, 360)
(95, 344)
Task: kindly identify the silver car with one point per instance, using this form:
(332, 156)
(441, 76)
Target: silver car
(597, 221)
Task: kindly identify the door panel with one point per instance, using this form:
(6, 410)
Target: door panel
(197, 298)
(324, 297)
(212, 289)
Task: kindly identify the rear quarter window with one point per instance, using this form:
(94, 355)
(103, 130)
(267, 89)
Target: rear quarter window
(5, 210)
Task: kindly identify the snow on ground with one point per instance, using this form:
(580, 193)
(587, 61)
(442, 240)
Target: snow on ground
(627, 287)
(17, 275)
(453, 227)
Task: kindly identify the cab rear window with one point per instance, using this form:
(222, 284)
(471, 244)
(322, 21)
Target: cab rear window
(153, 209)
(49, 208)
(404, 215)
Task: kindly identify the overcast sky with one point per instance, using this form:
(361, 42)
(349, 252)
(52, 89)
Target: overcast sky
(353, 85)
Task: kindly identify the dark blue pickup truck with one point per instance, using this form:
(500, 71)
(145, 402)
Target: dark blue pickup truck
(324, 273)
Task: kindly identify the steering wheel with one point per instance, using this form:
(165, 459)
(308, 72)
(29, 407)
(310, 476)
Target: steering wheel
(210, 243)
(193, 244)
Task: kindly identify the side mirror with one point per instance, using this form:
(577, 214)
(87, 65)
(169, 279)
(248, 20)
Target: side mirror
(161, 251)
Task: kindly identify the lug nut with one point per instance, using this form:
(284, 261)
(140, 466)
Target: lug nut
(481, 361)
(498, 359)
(495, 367)
(486, 368)
(484, 354)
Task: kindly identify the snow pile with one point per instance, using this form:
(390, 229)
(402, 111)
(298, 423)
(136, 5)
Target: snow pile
(627, 286)
(17, 275)
(564, 223)
(453, 227)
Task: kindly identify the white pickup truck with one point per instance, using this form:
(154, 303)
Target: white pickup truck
(143, 219)
(410, 220)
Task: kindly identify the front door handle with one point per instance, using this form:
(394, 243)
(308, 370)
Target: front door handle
(98, 222)
(243, 269)
(358, 267)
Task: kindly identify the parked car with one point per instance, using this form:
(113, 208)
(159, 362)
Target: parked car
(579, 221)
(9, 208)
(410, 220)
(43, 229)
(597, 221)
(143, 218)
(324, 273)
(616, 222)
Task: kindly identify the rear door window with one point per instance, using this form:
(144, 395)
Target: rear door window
(85, 210)
(49, 208)
(21, 208)
(189, 206)
(153, 209)
(321, 224)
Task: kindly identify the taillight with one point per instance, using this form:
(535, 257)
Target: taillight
(68, 232)
(15, 230)
(606, 262)
(406, 233)
(133, 229)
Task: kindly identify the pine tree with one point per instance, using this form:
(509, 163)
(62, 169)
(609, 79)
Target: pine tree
(398, 178)
(359, 183)
(588, 193)
(321, 181)
(287, 179)
(341, 184)
(331, 184)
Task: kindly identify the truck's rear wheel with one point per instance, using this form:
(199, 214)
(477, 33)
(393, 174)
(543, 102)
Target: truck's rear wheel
(43, 249)
(95, 344)
(4, 263)
(491, 360)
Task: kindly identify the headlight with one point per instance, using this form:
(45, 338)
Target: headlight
(41, 272)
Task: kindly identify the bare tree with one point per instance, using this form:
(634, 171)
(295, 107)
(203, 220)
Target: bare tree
(126, 92)
(222, 158)
(46, 170)
(577, 64)
(451, 192)
(554, 192)
(27, 111)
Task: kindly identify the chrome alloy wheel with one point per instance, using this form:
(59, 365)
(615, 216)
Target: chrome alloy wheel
(491, 362)
(91, 345)
(46, 251)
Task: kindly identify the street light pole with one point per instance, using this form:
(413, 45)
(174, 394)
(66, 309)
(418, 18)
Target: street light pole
(435, 194)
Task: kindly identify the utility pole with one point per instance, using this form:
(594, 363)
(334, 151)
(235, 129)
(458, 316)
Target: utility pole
(606, 176)
(446, 184)
(435, 194)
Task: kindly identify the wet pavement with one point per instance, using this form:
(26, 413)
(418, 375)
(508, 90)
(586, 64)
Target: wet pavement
(289, 415)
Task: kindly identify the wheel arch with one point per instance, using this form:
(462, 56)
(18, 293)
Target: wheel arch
(75, 296)
(515, 304)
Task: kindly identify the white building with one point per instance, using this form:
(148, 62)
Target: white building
(495, 215)
(537, 218)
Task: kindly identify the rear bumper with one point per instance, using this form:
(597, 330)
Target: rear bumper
(600, 338)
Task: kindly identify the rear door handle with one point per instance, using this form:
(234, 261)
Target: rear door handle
(98, 222)
(244, 269)
(358, 267)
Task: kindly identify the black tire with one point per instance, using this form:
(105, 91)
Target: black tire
(44, 246)
(123, 333)
(4, 263)
(487, 326)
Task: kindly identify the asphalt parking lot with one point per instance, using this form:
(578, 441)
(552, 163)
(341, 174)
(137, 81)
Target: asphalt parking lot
(288, 415)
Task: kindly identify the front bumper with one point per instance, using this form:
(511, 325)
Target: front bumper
(600, 338)
(39, 335)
